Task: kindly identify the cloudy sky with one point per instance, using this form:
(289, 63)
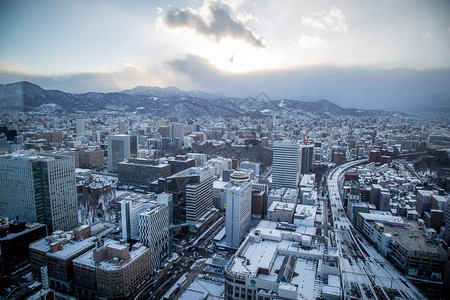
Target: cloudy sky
(365, 54)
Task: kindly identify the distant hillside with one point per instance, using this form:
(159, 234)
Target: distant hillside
(163, 102)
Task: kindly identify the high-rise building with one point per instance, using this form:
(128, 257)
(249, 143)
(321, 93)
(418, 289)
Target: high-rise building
(268, 123)
(176, 130)
(200, 158)
(176, 185)
(199, 196)
(446, 236)
(154, 233)
(120, 147)
(79, 126)
(286, 164)
(238, 208)
(423, 201)
(130, 209)
(255, 166)
(307, 158)
(123, 127)
(39, 188)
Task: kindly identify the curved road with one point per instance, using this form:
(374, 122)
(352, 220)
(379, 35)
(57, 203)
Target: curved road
(365, 274)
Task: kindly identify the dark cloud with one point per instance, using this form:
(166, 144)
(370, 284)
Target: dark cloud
(354, 87)
(222, 24)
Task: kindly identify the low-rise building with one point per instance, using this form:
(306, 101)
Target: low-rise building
(57, 252)
(14, 243)
(111, 270)
(281, 262)
(281, 212)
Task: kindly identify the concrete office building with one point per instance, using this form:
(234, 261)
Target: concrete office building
(140, 172)
(199, 196)
(283, 261)
(79, 126)
(176, 130)
(91, 158)
(180, 163)
(281, 212)
(307, 153)
(120, 147)
(111, 270)
(176, 185)
(57, 252)
(14, 243)
(286, 164)
(423, 201)
(154, 233)
(259, 203)
(39, 188)
(130, 209)
(238, 208)
(200, 158)
(256, 167)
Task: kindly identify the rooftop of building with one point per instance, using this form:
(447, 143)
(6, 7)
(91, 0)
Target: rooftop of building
(364, 204)
(270, 253)
(191, 172)
(28, 228)
(440, 198)
(290, 193)
(111, 262)
(219, 184)
(413, 237)
(305, 215)
(277, 192)
(33, 156)
(150, 164)
(307, 179)
(278, 205)
(383, 217)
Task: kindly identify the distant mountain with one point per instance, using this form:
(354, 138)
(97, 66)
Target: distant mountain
(163, 102)
(171, 91)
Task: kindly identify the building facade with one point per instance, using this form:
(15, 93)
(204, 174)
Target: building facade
(199, 197)
(111, 270)
(39, 188)
(154, 233)
(238, 208)
(286, 164)
(120, 147)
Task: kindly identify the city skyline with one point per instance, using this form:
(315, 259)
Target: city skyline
(363, 55)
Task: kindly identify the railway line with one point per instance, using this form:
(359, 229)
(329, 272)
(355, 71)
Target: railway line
(365, 274)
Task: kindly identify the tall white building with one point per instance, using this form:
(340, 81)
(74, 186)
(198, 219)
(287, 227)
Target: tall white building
(130, 209)
(286, 164)
(199, 196)
(39, 188)
(238, 208)
(120, 147)
(154, 233)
